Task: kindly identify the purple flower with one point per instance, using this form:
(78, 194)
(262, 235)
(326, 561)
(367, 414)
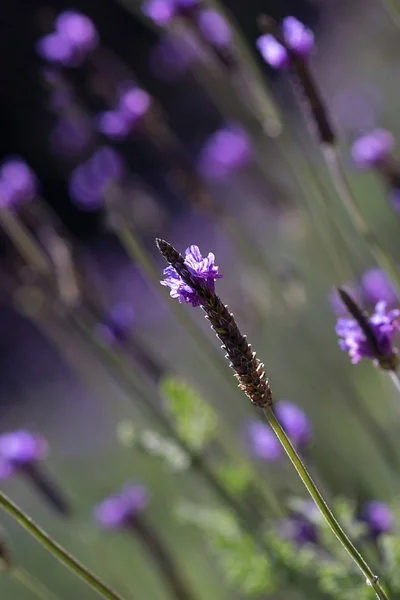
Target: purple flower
(134, 103)
(214, 28)
(225, 151)
(295, 422)
(372, 149)
(202, 268)
(378, 517)
(384, 325)
(297, 37)
(377, 286)
(57, 49)
(117, 323)
(163, 12)
(18, 182)
(120, 509)
(173, 56)
(114, 124)
(78, 29)
(299, 530)
(336, 302)
(261, 441)
(18, 449)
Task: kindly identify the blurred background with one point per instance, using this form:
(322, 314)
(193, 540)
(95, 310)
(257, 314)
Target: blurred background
(95, 356)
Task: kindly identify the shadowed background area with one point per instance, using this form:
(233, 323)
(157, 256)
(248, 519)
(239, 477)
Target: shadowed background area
(93, 352)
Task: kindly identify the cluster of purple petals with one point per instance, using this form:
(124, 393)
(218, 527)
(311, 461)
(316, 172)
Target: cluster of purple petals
(20, 448)
(73, 37)
(133, 104)
(372, 149)
(262, 442)
(378, 517)
(118, 510)
(299, 530)
(297, 37)
(384, 324)
(203, 269)
(88, 182)
(117, 323)
(336, 302)
(227, 150)
(18, 183)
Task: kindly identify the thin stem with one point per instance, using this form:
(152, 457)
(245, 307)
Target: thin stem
(55, 549)
(315, 494)
(383, 258)
(162, 557)
(38, 589)
(395, 377)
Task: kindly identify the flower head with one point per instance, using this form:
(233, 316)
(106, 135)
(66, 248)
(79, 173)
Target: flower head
(18, 183)
(214, 28)
(299, 530)
(377, 286)
(261, 441)
(120, 509)
(378, 343)
(117, 323)
(226, 151)
(296, 37)
(201, 268)
(378, 517)
(295, 422)
(372, 149)
(20, 448)
(162, 12)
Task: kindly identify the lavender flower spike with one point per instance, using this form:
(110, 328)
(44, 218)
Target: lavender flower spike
(261, 441)
(378, 517)
(372, 149)
(369, 336)
(297, 39)
(119, 510)
(193, 274)
(295, 423)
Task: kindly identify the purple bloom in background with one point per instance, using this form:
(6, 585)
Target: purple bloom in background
(295, 422)
(377, 286)
(299, 530)
(78, 29)
(88, 182)
(56, 48)
(261, 441)
(134, 103)
(113, 124)
(225, 151)
(18, 449)
(384, 324)
(202, 268)
(173, 56)
(117, 323)
(18, 182)
(298, 38)
(336, 302)
(372, 149)
(378, 517)
(214, 28)
(160, 11)
(120, 509)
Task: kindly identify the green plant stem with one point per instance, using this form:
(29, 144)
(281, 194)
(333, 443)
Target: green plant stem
(38, 589)
(395, 377)
(392, 7)
(383, 258)
(55, 549)
(315, 494)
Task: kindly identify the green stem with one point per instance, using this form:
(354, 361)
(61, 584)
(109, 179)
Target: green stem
(315, 494)
(383, 258)
(395, 377)
(32, 584)
(56, 550)
(393, 9)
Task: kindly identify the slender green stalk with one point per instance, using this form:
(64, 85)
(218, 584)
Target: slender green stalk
(56, 550)
(383, 258)
(315, 494)
(395, 377)
(36, 587)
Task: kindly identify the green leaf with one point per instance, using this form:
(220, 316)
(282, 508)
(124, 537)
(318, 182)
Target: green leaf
(195, 420)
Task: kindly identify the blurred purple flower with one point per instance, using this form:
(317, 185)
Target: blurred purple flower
(58, 49)
(214, 28)
(298, 38)
(378, 517)
(173, 56)
(225, 151)
(199, 267)
(261, 441)
(162, 12)
(78, 29)
(295, 423)
(372, 149)
(336, 302)
(299, 530)
(134, 103)
(113, 124)
(118, 510)
(117, 323)
(377, 286)
(18, 183)
(88, 182)
(384, 324)
(18, 449)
